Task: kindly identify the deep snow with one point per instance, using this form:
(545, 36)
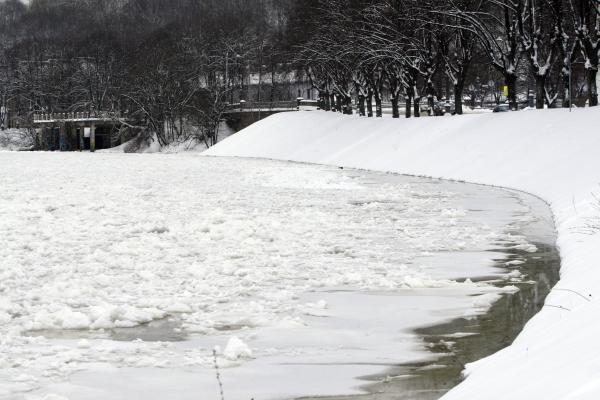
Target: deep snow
(248, 255)
(551, 153)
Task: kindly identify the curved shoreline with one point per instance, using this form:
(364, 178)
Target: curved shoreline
(465, 340)
(549, 154)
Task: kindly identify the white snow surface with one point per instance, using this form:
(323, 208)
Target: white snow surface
(306, 276)
(550, 153)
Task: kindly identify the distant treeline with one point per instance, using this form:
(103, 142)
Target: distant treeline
(514, 50)
(171, 66)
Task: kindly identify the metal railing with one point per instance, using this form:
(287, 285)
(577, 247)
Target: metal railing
(262, 105)
(78, 116)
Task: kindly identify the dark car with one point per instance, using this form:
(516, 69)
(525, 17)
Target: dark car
(502, 108)
(443, 107)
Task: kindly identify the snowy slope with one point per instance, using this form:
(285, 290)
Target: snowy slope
(550, 153)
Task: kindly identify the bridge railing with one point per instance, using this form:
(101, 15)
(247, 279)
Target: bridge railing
(264, 106)
(77, 116)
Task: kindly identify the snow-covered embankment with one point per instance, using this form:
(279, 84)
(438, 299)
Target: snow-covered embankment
(552, 154)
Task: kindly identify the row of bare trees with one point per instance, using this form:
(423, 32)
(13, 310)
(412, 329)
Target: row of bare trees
(361, 48)
(166, 68)
(171, 66)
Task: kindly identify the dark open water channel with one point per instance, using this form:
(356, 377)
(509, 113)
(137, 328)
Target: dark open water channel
(465, 340)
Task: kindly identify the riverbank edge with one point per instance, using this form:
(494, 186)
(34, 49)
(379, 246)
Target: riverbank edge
(548, 154)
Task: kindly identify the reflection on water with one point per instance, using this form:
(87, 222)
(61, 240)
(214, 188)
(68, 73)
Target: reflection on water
(492, 332)
(163, 330)
(463, 341)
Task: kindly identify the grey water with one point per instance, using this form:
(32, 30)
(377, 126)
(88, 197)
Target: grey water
(458, 342)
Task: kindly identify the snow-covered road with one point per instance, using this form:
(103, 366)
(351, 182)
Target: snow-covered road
(307, 265)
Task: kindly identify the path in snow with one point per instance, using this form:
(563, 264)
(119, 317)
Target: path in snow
(306, 276)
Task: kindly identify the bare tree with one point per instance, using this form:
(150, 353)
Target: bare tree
(458, 46)
(540, 32)
(586, 22)
(496, 26)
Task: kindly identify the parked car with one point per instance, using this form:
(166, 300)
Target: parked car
(502, 108)
(443, 107)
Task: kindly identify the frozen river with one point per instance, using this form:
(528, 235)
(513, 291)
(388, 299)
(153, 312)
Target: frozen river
(121, 273)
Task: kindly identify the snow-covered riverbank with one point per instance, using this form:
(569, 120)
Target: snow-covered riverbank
(552, 154)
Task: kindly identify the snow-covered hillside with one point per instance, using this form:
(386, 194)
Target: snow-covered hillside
(551, 153)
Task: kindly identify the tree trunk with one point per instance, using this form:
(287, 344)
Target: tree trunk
(408, 106)
(564, 91)
(361, 105)
(540, 93)
(430, 96)
(348, 105)
(417, 106)
(592, 89)
(378, 108)
(326, 102)
(511, 82)
(370, 104)
(395, 110)
(338, 103)
(458, 98)
(332, 100)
